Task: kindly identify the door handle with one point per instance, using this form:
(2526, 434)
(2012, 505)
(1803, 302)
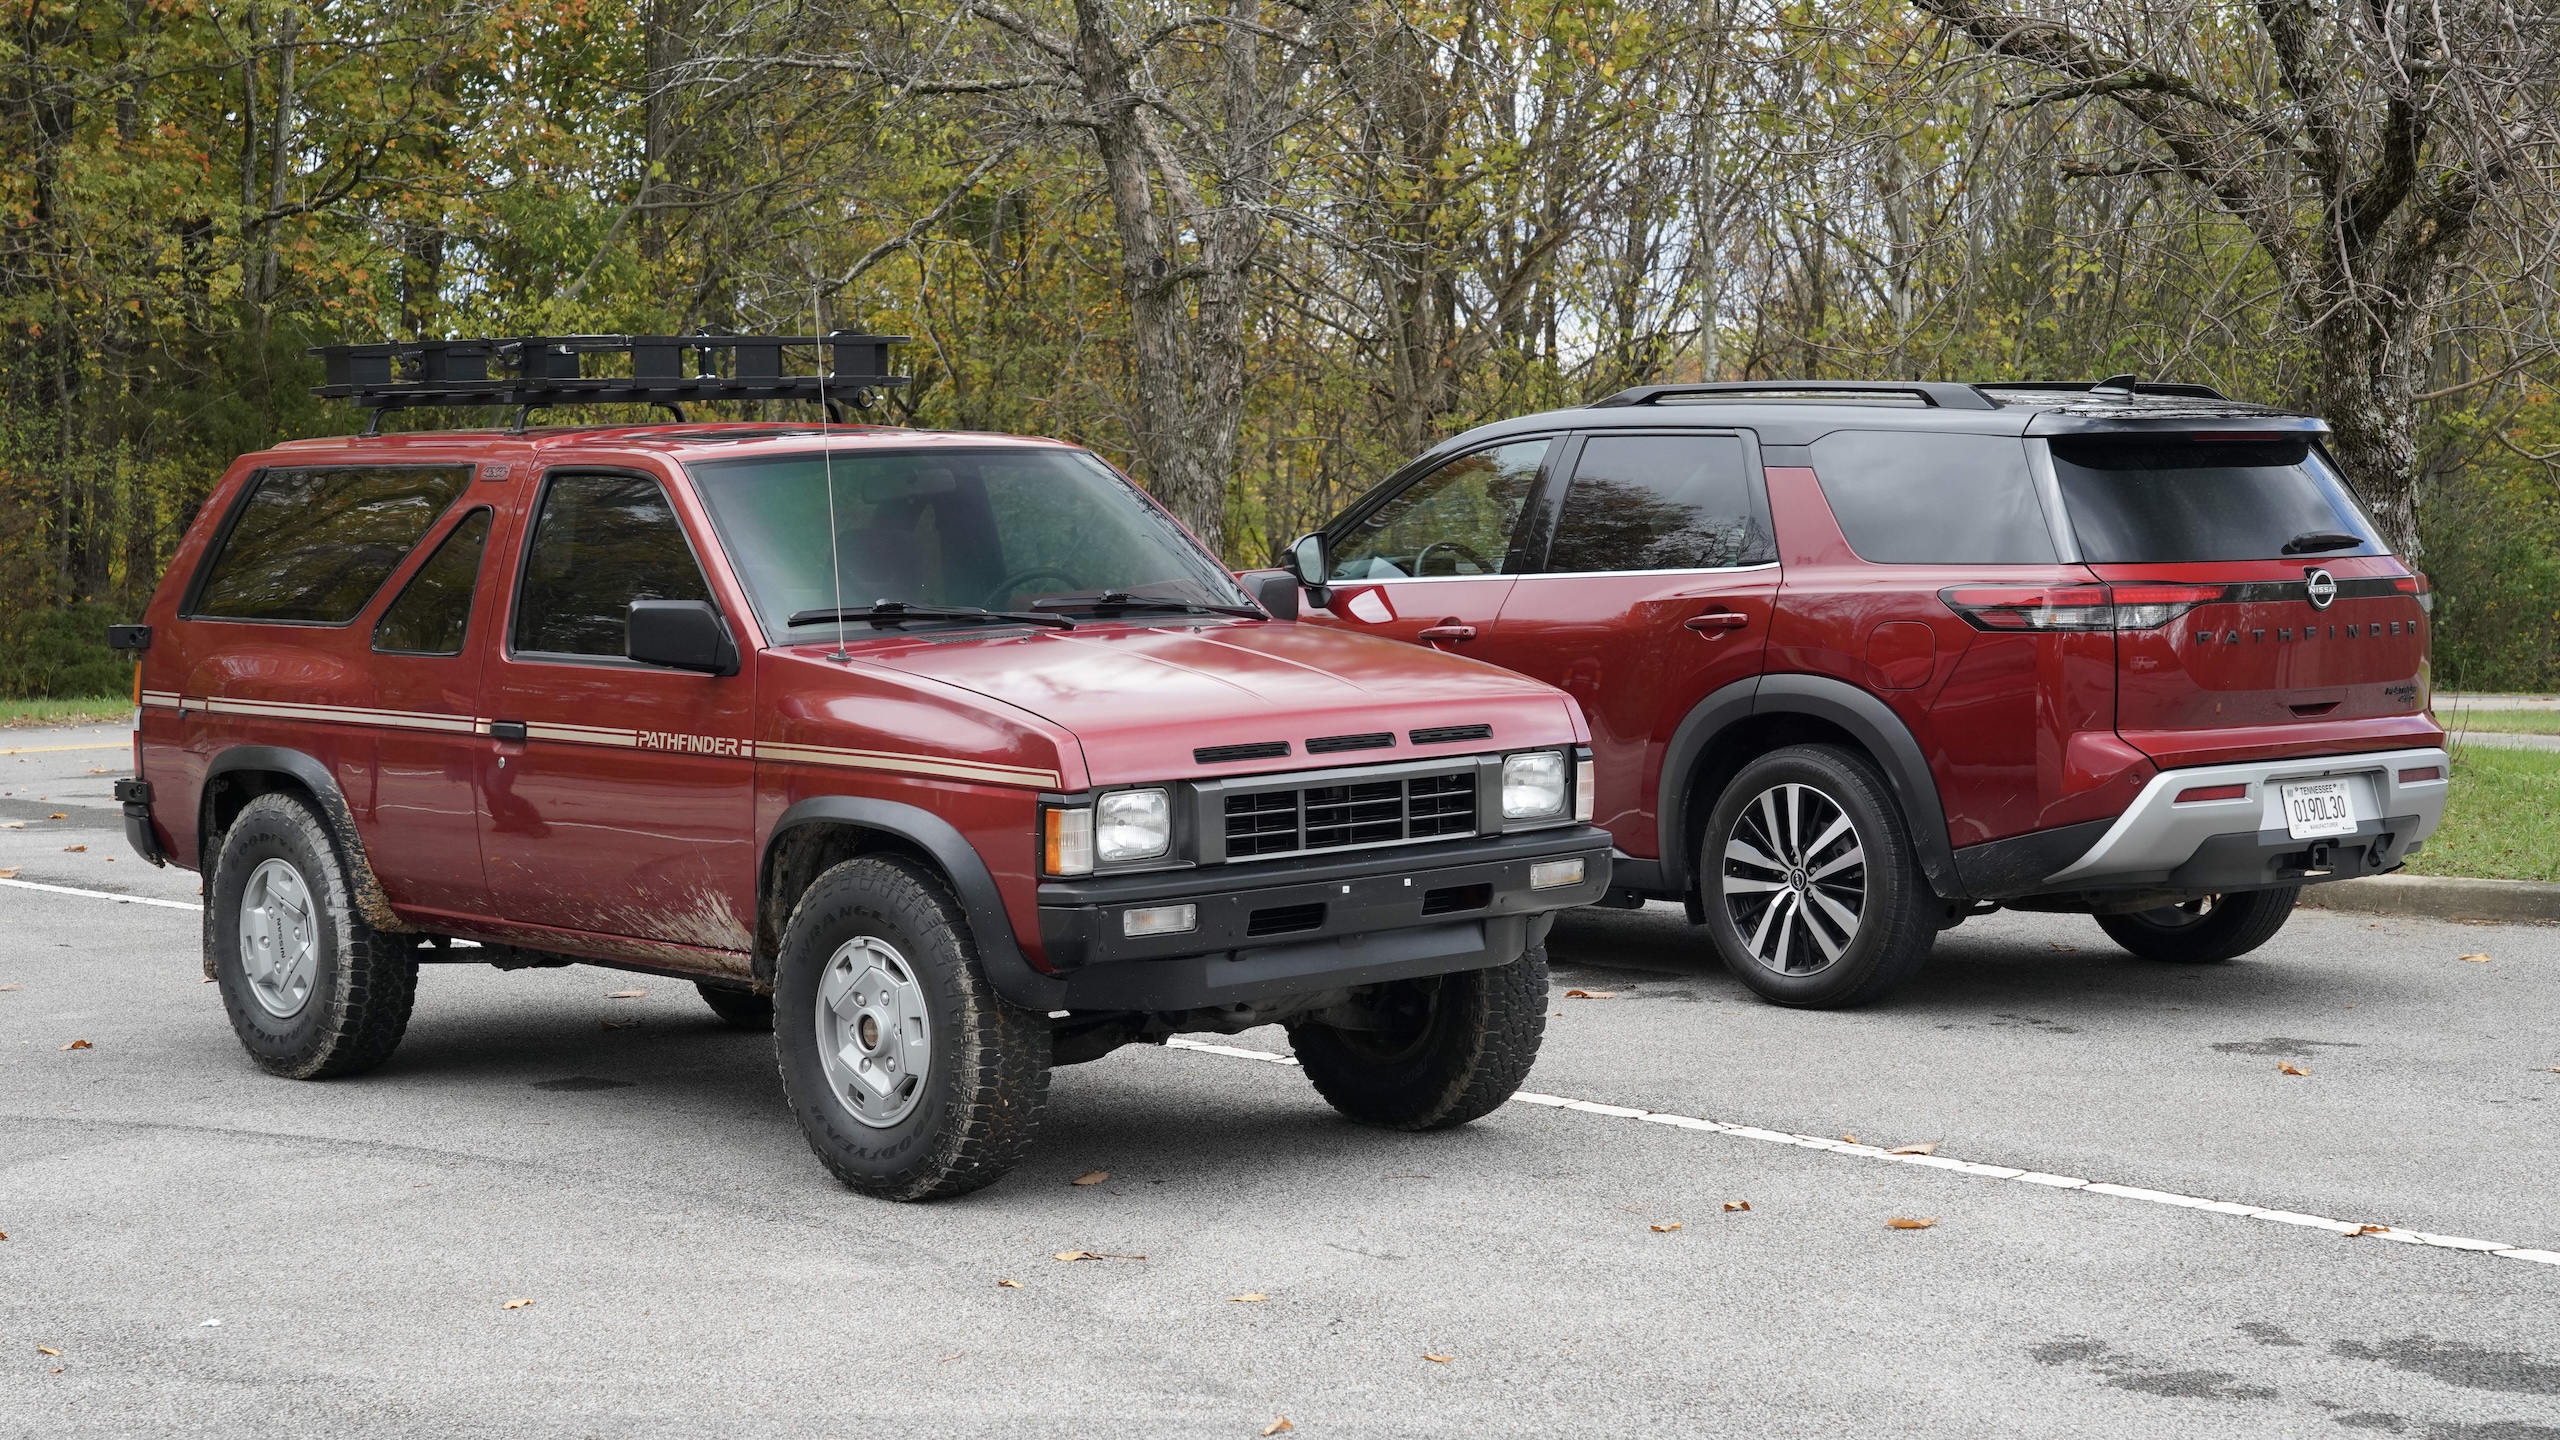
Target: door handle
(507, 730)
(1717, 620)
(1434, 634)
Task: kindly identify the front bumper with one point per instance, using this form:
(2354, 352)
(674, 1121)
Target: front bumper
(2242, 843)
(1315, 923)
(135, 796)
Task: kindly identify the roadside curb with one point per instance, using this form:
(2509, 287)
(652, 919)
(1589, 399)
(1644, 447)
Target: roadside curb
(2440, 897)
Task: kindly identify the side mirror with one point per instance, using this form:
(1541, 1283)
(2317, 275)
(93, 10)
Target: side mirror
(1310, 565)
(681, 635)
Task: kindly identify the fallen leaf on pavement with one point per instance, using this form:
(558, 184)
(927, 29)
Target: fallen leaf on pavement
(1075, 1255)
(1439, 1359)
(1250, 1297)
(1905, 1222)
(1732, 1205)
(74, 849)
(12, 987)
(1925, 1147)
(4, 1234)
(1591, 994)
(515, 1305)
(2287, 1067)
(625, 994)
(2367, 1230)
(8, 874)
(57, 815)
(47, 1350)
(2058, 945)
(1852, 1139)
(77, 1045)
(1091, 1177)
(13, 825)
(2477, 959)
(1277, 1426)
(1666, 1229)
(1008, 1284)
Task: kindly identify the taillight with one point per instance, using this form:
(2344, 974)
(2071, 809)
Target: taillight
(2416, 588)
(2074, 607)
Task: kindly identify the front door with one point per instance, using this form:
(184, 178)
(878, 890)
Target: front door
(1432, 561)
(1654, 591)
(616, 798)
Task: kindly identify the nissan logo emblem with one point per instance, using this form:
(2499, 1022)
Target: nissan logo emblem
(2321, 587)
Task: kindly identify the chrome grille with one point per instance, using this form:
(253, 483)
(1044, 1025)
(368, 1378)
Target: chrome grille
(1354, 813)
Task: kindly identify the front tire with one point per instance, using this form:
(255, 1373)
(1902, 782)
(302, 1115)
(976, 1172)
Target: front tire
(2204, 931)
(1438, 1052)
(1813, 892)
(312, 990)
(911, 1077)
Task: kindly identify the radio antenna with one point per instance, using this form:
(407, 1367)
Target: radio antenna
(827, 452)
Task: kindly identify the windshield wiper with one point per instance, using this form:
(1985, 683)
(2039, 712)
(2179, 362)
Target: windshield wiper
(2311, 541)
(1113, 601)
(890, 612)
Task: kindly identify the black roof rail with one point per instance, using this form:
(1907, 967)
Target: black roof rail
(2113, 384)
(1943, 394)
(533, 371)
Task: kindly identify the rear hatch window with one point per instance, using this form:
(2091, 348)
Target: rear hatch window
(2187, 498)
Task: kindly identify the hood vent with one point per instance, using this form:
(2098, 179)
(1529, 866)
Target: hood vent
(1447, 734)
(1252, 750)
(1336, 744)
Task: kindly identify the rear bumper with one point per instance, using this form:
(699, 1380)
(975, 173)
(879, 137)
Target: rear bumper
(2242, 843)
(1357, 919)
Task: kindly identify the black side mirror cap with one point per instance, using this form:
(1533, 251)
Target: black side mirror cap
(681, 635)
(1278, 593)
(129, 637)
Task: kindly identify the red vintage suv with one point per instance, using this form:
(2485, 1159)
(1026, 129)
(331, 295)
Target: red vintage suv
(949, 757)
(1861, 660)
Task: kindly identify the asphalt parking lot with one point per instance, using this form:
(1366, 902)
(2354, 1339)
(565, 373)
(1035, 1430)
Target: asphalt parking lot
(209, 1249)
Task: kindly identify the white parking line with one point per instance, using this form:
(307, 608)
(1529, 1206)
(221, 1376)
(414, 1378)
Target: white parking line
(106, 895)
(2499, 1248)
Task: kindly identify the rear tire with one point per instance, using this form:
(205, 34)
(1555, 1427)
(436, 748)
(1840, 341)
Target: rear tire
(911, 1077)
(2205, 931)
(1812, 889)
(1452, 1048)
(743, 1008)
(312, 990)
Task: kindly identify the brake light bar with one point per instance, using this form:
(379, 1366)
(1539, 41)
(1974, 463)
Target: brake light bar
(2416, 588)
(2074, 607)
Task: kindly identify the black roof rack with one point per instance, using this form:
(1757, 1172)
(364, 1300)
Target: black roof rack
(2112, 385)
(533, 371)
(1943, 394)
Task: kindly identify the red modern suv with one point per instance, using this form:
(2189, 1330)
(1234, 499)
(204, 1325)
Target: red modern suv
(1861, 660)
(949, 757)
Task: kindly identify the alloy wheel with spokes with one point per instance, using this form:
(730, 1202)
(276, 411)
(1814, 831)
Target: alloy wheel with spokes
(1795, 879)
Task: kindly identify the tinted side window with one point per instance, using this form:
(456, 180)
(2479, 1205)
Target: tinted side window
(2139, 500)
(316, 544)
(1908, 498)
(1457, 520)
(433, 613)
(601, 542)
(1660, 502)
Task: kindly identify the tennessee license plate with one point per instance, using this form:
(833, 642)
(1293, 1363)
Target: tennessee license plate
(2313, 808)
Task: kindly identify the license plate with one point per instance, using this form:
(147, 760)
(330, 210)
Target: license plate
(2313, 808)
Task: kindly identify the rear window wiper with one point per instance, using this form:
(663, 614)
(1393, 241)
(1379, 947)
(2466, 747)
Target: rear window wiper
(1109, 601)
(890, 612)
(2311, 541)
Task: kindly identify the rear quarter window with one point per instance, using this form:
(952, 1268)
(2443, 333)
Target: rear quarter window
(314, 545)
(1914, 498)
(2178, 498)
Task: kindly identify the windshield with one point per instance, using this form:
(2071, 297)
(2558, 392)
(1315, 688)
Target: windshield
(996, 529)
(2180, 498)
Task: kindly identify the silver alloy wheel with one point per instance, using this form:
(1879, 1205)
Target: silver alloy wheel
(279, 938)
(1795, 879)
(874, 1035)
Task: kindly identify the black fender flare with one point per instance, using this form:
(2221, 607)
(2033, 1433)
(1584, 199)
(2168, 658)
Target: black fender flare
(1872, 723)
(370, 898)
(1008, 969)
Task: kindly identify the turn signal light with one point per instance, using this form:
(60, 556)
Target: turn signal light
(2416, 588)
(2074, 607)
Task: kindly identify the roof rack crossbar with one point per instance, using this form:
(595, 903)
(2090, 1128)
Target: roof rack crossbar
(533, 371)
(1943, 394)
(2124, 384)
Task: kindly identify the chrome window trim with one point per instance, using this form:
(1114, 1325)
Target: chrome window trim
(1690, 570)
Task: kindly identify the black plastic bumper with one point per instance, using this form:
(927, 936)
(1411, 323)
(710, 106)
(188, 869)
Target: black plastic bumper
(136, 798)
(1318, 923)
(2272, 858)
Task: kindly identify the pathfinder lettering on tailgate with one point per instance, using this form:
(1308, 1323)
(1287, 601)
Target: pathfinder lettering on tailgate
(690, 744)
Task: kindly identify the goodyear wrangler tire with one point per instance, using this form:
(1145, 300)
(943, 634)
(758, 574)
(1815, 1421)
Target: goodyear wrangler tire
(910, 1076)
(1812, 890)
(312, 990)
(1442, 1051)
(2204, 931)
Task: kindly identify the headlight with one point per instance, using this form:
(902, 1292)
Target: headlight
(1533, 785)
(1132, 825)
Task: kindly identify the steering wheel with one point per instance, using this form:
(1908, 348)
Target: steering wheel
(1012, 584)
(1422, 561)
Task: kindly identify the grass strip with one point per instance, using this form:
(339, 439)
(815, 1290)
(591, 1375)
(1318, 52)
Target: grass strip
(2502, 819)
(95, 710)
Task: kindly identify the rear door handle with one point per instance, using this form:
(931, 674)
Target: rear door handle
(507, 730)
(1717, 620)
(1434, 634)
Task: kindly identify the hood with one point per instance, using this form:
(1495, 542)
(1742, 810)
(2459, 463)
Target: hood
(1142, 700)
